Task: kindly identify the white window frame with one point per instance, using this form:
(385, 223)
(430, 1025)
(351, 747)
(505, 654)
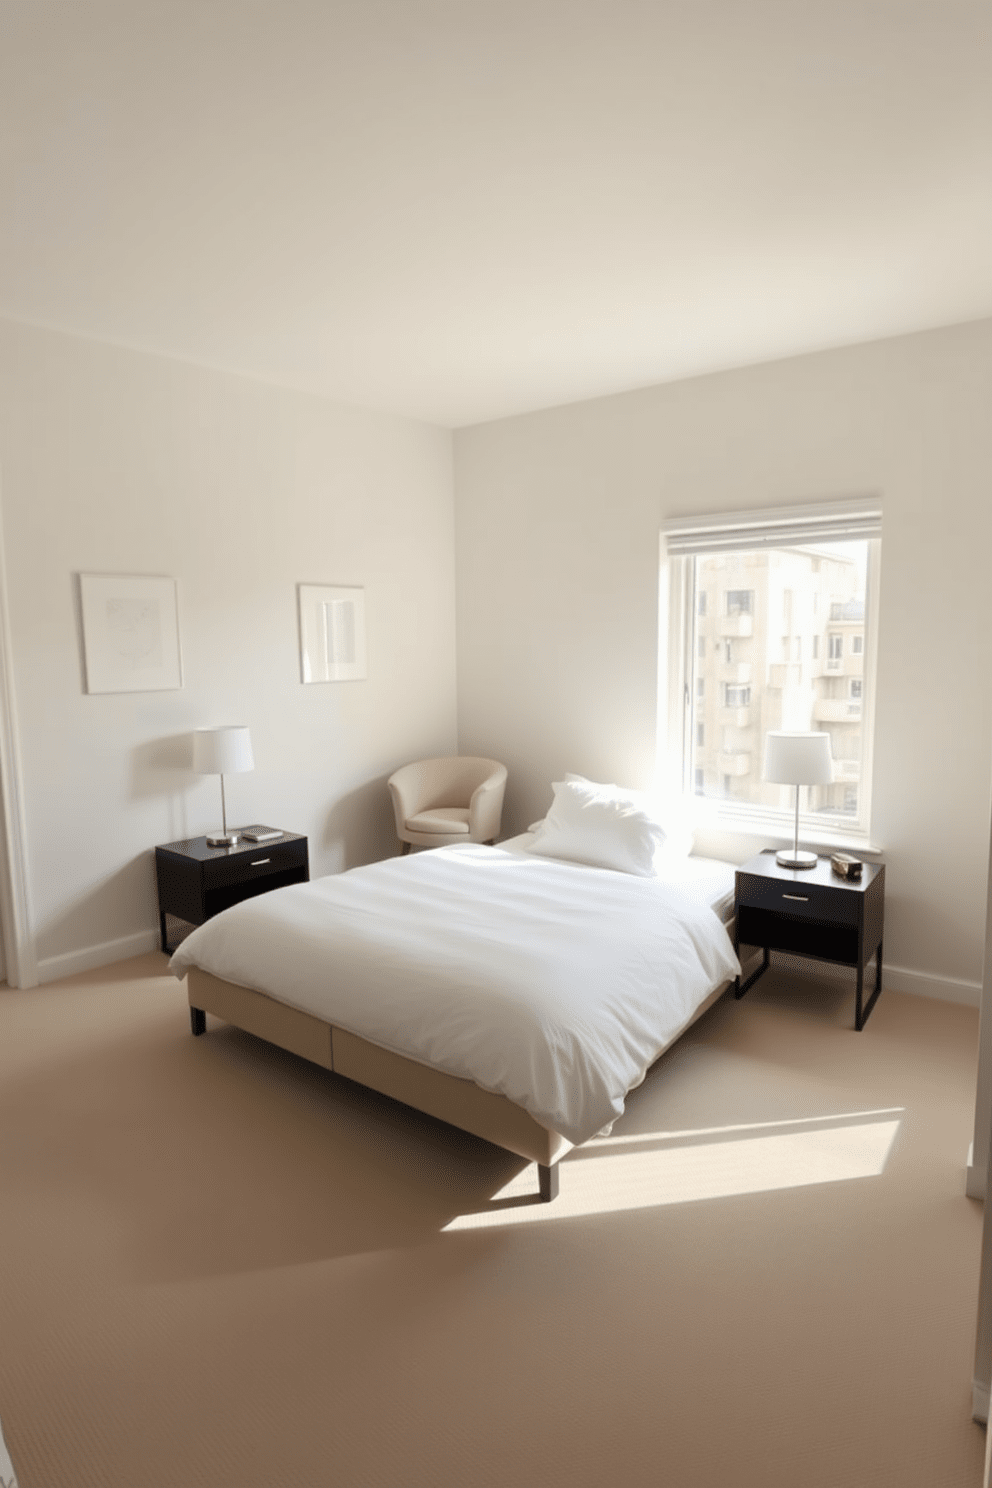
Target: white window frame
(686, 537)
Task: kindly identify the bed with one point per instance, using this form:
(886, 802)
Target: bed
(515, 995)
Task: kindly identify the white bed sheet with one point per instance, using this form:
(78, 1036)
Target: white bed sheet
(551, 983)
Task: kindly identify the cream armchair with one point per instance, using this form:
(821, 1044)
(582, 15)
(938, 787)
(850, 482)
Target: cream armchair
(439, 801)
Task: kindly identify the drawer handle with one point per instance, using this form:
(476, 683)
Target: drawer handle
(258, 862)
(799, 898)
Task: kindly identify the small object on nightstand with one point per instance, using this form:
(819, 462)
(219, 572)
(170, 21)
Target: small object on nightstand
(845, 866)
(259, 834)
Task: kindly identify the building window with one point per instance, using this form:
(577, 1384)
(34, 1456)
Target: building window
(701, 603)
(700, 735)
(701, 648)
(827, 560)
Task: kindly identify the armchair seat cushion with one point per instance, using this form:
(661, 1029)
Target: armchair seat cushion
(440, 819)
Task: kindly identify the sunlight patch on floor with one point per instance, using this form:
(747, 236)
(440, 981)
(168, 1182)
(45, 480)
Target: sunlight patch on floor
(617, 1174)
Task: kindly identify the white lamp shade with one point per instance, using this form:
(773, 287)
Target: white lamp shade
(223, 751)
(798, 759)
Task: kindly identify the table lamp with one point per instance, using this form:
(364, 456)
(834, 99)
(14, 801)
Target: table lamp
(222, 751)
(797, 759)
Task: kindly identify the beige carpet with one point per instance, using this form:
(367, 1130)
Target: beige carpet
(224, 1267)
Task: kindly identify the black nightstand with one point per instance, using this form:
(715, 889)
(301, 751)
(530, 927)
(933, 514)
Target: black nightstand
(195, 881)
(812, 912)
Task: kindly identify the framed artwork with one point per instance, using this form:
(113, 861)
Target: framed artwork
(332, 634)
(130, 633)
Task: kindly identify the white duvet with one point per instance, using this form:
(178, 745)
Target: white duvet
(553, 984)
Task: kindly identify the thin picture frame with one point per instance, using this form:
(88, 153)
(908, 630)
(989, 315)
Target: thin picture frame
(332, 633)
(130, 633)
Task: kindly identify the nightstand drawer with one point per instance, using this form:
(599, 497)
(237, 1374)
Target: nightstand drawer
(265, 859)
(799, 900)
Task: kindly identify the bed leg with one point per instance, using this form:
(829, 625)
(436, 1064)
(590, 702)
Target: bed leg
(548, 1181)
(197, 1021)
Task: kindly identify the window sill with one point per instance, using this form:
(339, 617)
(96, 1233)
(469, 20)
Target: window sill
(780, 833)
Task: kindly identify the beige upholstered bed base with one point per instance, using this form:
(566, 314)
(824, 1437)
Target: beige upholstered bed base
(445, 1096)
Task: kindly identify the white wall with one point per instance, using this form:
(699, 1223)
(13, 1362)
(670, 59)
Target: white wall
(558, 518)
(117, 462)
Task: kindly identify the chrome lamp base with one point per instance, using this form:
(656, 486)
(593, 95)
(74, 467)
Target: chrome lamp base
(791, 857)
(222, 839)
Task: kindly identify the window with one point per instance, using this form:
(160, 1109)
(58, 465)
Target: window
(824, 561)
(700, 735)
(701, 603)
(701, 648)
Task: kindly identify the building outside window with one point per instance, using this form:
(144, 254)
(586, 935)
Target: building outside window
(817, 678)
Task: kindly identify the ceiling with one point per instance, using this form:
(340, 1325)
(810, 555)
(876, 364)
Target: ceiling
(463, 209)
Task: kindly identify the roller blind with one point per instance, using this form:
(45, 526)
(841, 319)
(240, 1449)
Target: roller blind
(783, 526)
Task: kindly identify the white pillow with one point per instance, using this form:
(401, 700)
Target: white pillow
(601, 825)
(673, 812)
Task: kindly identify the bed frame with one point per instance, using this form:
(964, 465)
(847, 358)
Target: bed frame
(460, 1102)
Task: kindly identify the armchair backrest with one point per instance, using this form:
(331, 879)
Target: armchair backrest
(430, 783)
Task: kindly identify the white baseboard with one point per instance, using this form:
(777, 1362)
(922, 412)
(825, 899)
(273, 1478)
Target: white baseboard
(54, 968)
(894, 978)
(925, 984)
